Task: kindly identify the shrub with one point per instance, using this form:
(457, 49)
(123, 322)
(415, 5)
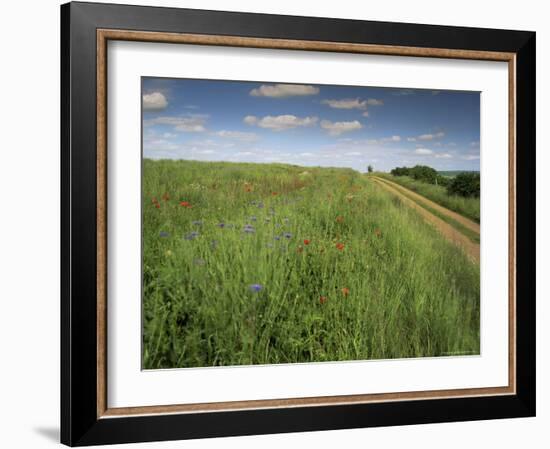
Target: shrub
(465, 184)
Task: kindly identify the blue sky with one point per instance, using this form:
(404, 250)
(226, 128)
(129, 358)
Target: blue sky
(310, 125)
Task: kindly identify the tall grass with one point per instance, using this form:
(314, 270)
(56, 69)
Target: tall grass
(469, 207)
(373, 281)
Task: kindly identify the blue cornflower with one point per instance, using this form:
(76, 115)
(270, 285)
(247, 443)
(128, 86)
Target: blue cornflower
(164, 234)
(277, 237)
(197, 222)
(287, 235)
(249, 229)
(191, 235)
(260, 205)
(221, 225)
(253, 218)
(255, 287)
(286, 220)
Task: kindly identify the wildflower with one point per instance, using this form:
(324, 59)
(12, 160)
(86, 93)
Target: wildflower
(197, 222)
(253, 218)
(286, 220)
(168, 253)
(261, 205)
(221, 225)
(339, 219)
(287, 235)
(378, 232)
(166, 197)
(253, 203)
(340, 246)
(255, 287)
(300, 249)
(249, 229)
(154, 200)
(163, 234)
(345, 291)
(191, 236)
(322, 299)
(274, 193)
(277, 237)
(157, 205)
(185, 204)
(307, 242)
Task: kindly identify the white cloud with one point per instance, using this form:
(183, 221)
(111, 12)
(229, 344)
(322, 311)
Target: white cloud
(471, 157)
(423, 151)
(474, 144)
(346, 103)
(438, 135)
(306, 154)
(353, 153)
(411, 139)
(443, 156)
(279, 122)
(337, 128)
(374, 102)
(237, 135)
(365, 114)
(187, 124)
(154, 101)
(284, 90)
(391, 139)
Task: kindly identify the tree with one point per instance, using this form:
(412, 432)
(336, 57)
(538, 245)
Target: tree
(369, 168)
(423, 173)
(465, 184)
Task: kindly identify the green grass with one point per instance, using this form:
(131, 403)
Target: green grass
(473, 236)
(468, 207)
(410, 293)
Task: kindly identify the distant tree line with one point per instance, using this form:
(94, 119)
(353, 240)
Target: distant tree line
(465, 184)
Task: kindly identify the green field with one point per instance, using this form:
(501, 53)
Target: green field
(269, 263)
(468, 207)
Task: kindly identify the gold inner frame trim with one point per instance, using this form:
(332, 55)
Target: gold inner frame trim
(104, 35)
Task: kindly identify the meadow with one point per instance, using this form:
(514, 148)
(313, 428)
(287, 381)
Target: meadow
(269, 263)
(468, 207)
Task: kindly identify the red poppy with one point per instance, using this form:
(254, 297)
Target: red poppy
(345, 291)
(157, 205)
(306, 241)
(185, 204)
(322, 299)
(154, 200)
(274, 193)
(340, 246)
(166, 197)
(340, 219)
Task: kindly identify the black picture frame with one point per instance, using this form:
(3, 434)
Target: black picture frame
(80, 424)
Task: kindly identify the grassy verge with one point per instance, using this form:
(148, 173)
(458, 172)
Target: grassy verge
(473, 236)
(468, 207)
(261, 264)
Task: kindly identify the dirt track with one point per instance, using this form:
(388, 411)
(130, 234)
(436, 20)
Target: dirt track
(450, 233)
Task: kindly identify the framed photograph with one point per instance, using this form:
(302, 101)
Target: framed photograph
(282, 224)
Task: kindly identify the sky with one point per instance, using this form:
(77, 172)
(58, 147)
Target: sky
(310, 125)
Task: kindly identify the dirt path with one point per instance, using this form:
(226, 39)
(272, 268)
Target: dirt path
(472, 225)
(450, 233)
